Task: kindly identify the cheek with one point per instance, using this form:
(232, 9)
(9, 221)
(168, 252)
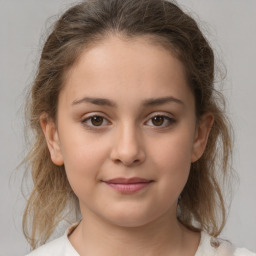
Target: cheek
(83, 158)
(172, 158)
(174, 150)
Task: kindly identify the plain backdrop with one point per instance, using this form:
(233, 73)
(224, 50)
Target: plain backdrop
(231, 29)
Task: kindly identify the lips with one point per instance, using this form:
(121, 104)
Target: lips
(128, 186)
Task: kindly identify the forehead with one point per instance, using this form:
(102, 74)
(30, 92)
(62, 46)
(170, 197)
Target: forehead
(137, 67)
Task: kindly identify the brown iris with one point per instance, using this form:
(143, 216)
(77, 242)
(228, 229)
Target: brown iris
(97, 120)
(158, 120)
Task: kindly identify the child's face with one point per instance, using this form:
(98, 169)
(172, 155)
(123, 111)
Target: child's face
(144, 126)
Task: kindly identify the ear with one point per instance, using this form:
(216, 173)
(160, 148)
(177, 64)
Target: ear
(52, 139)
(201, 135)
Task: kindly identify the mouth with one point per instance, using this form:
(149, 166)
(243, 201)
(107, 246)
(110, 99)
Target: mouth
(128, 186)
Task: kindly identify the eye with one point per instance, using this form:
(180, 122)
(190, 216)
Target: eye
(95, 121)
(160, 121)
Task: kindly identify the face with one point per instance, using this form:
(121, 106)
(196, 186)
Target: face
(126, 131)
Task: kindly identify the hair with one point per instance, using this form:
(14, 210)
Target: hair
(201, 205)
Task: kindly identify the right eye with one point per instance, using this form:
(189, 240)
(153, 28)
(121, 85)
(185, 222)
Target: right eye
(95, 121)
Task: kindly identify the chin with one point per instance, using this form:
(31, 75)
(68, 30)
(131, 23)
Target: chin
(132, 218)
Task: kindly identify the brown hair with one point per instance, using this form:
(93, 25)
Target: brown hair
(201, 206)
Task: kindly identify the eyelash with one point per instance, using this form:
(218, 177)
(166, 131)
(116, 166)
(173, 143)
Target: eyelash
(167, 119)
(89, 119)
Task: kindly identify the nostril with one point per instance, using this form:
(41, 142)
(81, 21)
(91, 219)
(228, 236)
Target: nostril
(127, 162)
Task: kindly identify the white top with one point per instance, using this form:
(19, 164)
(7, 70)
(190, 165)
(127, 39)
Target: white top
(208, 246)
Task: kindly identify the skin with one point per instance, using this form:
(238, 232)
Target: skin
(128, 143)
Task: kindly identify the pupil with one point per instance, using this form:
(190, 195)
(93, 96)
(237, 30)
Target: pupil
(97, 120)
(158, 120)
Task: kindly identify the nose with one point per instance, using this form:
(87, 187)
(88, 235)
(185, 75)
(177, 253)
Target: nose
(127, 147)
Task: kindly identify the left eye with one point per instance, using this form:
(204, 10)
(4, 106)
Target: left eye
(160, 121)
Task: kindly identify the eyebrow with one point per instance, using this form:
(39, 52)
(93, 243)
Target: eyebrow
(146, 103)
(95, 101)
(161, 101)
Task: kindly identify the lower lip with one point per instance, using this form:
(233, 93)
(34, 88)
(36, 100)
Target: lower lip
(129, 188)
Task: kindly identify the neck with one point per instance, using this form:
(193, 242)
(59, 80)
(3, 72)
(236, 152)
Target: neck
(94, 236)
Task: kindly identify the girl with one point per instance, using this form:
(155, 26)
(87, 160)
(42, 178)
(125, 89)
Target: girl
(129, 132)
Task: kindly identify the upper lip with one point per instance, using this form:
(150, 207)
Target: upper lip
(128, 181)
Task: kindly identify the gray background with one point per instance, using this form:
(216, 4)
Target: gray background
(231, 28)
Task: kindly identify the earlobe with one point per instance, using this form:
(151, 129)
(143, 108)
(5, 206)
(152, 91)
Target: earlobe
(201, 136)
(52, 138)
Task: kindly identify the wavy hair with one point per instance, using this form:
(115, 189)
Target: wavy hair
(201, 206)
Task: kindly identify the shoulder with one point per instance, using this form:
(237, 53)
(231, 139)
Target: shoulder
(243, 252)
(212, 246)
(58, 247)
(55, 247)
